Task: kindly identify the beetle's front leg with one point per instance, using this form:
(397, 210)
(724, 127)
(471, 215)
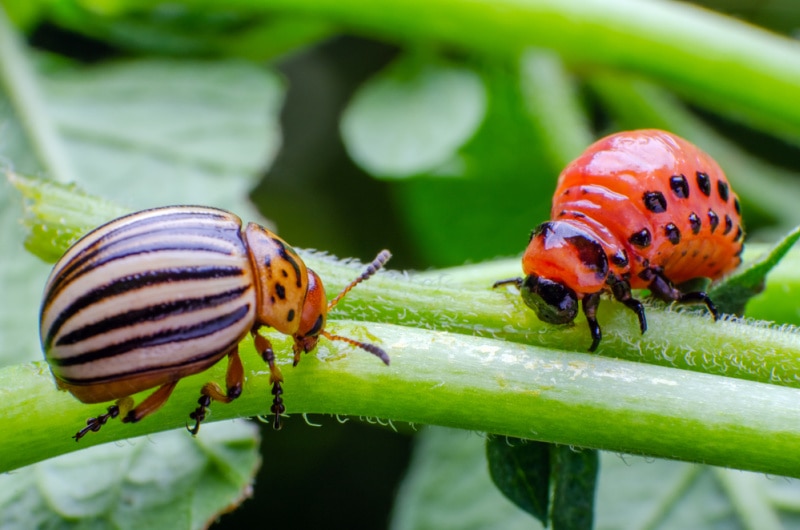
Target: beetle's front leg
(264, 348)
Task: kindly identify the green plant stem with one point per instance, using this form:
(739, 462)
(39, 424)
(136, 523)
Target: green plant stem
(467, 356)
(459, 381)
(715, 60)
(692, 341)
(23, 89)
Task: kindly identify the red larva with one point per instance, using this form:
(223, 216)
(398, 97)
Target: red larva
(638, 209)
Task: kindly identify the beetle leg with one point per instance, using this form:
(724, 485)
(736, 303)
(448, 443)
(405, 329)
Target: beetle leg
(264, 348)
(152, 403)
(663, 289)
(211, 391)
(122, 406)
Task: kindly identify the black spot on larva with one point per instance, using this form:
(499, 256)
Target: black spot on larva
(673, 233)
(290, 315)
(272, 300)
(577, 215)
(739, 233)
(695, 223)
(736, 205)
(705, 257)
(562, 213)
(679, 186)
(722, 189)
(728, 225)
(280, 290)
(655, 201)
(704, 183)
(641, 239)
(713, 218)
(683, 253)
(566, 191)
(284, 273)
(591, 253)
(620, 258)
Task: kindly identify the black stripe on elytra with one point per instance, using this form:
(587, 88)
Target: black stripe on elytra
(75, 270)
(151, 313)
(133, 282)
(130, 373)
(105, 234)
(181, 334)
(286, 255)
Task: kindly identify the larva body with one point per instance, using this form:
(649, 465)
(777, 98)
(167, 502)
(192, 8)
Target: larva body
(638, 209)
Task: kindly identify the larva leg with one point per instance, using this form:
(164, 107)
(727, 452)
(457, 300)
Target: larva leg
(663, 289)
(590, 303)
(621, 290)
(211, 391)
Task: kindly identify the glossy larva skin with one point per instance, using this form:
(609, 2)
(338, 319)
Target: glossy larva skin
(155, 296)
(638, 209)
(637, 194)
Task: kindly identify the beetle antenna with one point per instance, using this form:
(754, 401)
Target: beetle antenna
(379, 261)
(371, 348)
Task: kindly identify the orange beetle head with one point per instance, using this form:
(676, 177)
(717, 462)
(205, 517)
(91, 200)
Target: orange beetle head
(312, 317)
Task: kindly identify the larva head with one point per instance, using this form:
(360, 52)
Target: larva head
(563, 262)
(553, 302)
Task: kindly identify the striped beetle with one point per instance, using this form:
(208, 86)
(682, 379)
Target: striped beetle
(150, 298)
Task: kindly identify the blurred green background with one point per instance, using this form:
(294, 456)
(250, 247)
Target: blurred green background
(351, 131)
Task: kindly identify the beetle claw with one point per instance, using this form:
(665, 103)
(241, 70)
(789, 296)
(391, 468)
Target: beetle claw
(94, 424)
(199, 414)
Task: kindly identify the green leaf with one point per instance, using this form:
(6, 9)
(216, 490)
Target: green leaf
(189, 132)
(574, 477)
(509, 167)
(413, 117)
(167, 480)
(521, 470)
(732, 295)
(448, 486)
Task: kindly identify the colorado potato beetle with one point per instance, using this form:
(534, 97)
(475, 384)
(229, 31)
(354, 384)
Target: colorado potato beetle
(150, 298)
(638, 209)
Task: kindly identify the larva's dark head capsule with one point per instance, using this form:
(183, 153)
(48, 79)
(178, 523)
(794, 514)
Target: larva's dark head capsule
(553, 302)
